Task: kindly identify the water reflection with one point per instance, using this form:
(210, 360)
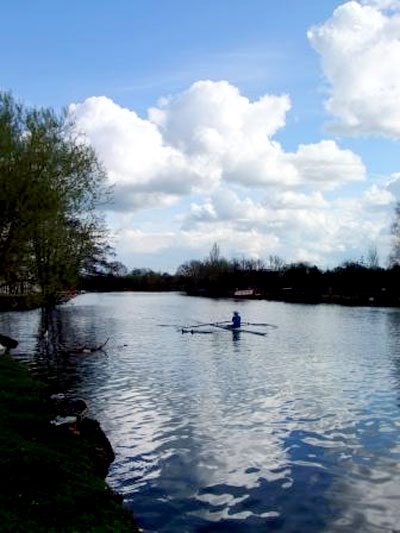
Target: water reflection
(296, 431)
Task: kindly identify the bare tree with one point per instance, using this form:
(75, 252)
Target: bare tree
(394, 258)
(215, 254)
(372, 257)
(275, 263)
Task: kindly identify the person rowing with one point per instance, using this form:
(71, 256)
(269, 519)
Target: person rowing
(236, 320)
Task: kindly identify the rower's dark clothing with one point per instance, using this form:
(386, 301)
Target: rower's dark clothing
(236, 321)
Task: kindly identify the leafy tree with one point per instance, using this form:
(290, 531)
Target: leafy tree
(16, 199)
(51, 185)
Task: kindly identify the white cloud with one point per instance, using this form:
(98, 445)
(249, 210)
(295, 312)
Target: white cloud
(378, 197)
(214, 122)
(360, 53)
(325, 164)
(393, 185)
(383, 4)
(298, 226)
(207, 135)
(135, 239)
(296, 200)
(135, 156)
(217, 109)
(214, 147)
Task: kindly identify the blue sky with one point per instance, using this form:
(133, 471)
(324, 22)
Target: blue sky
(195, 170)
(136, 51)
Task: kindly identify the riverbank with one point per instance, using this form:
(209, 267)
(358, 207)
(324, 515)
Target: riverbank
(34, 300)
(361, 299)
(20, 302)
(51, 480)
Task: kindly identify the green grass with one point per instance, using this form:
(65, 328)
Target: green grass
(48, 476)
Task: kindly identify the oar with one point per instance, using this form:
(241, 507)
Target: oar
(240, 330)
(259, 324)
(195, 331)
(253, 332)
(208, 324)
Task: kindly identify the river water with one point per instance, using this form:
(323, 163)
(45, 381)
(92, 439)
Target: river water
(295, 431)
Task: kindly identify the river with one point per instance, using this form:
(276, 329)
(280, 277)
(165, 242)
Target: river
(295, 431)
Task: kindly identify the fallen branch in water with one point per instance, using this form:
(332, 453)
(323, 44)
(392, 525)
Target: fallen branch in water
(84, 348)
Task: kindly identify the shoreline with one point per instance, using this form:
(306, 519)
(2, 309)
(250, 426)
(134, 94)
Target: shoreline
(53, 478)
(362, 299)
(367, 299)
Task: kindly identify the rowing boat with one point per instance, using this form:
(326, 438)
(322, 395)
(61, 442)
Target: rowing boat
(227, 326)
(220, 326)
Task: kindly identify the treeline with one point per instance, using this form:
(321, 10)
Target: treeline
(51, 185)
(114, 276)
(352, 282)
(356, 283)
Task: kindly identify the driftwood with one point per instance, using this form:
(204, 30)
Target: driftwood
(82, 349)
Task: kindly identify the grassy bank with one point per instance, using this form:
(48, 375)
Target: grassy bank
(49, 477)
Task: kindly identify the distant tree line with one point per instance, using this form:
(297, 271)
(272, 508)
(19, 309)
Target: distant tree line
(51, 185)
(114, 276)
(354, 282)
(361, 282)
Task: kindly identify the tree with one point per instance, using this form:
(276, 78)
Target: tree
(190, 270)
(51, 185)
(373, 257)
(16, 199)
(394, 258)
(118, 269)
(276, 263)
(215, 254)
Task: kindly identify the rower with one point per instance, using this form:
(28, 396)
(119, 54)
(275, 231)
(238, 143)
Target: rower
(236, 320)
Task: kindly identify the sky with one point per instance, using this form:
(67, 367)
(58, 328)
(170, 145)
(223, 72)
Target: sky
(267, 127)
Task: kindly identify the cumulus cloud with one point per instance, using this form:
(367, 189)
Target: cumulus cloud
(360, 53)
(378, 197)
(134, 153)
(196, 140)
(214, 150)
(326, 165)
(212, 121)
